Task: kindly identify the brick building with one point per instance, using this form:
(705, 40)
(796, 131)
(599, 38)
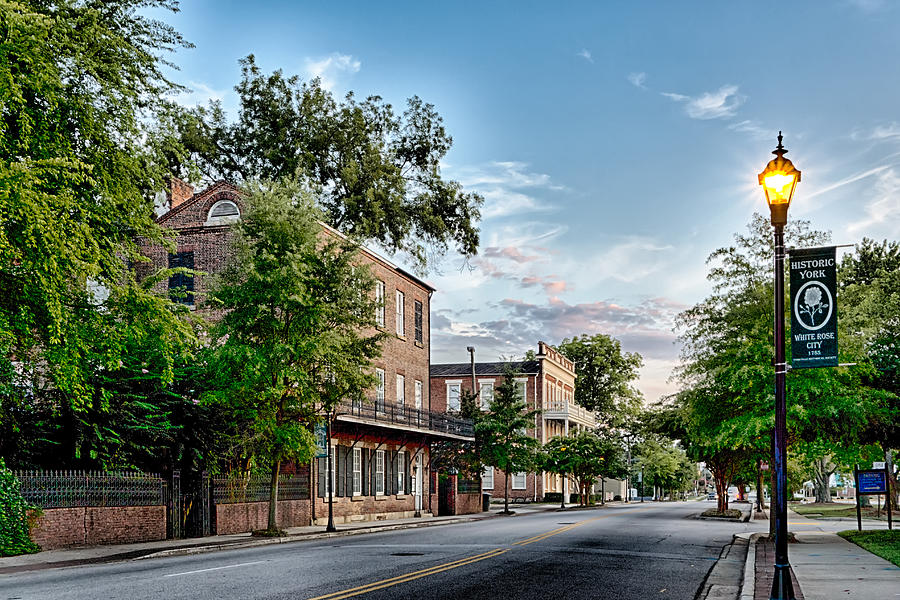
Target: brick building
(380, 448)
(547, 383)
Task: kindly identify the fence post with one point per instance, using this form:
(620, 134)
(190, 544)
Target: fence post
(173, 507)
(204, 504)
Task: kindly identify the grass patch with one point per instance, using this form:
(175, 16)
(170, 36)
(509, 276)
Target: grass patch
(837, 510)
(269, 533)
(731, 513)
(885, 544)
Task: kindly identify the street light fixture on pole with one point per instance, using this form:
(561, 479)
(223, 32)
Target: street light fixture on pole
(471, 350)
(330, 475)
(779, 179)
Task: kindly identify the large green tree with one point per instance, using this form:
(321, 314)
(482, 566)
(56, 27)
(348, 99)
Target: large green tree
(584, 457)
(604, 377)
(377, 174)
(503, 441)
(299, 333)
(79, 81)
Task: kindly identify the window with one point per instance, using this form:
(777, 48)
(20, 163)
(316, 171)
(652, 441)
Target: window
(222, 212)
(453, 396)
(518, 481)
(487, 478)
(379, 472)
(357, 471)
(332, 480)
(379, 390)
(401, 391)
(418, 395)
(401, 326)
(418, 321)
(487, 394)
(379, 301)
(401, 472)
(181, 285)
(520, 388)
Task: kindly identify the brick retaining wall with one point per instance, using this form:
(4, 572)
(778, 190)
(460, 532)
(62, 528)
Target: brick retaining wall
(242, 517)
(90, 526)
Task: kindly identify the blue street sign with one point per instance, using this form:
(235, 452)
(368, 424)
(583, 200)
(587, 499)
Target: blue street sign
(872, 482)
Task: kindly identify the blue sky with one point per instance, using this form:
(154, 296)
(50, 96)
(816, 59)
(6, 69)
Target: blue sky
(616, 144)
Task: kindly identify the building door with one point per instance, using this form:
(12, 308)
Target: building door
(417, 488)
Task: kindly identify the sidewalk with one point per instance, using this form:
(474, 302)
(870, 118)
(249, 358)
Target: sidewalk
(825, 566)
(71, 557)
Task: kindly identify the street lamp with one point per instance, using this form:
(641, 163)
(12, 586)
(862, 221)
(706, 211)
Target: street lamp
(779, 179)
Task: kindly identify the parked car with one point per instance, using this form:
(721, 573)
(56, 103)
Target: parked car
(711, 496)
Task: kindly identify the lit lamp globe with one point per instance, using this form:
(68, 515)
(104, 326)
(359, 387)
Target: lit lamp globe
(779, 179)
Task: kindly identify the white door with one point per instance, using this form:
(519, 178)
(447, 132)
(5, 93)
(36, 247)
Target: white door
(417, 485)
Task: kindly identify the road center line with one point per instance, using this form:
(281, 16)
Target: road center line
(255, 562)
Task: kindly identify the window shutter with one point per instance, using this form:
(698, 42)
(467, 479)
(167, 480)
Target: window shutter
(321, 475)
(372, 472)
(408, 486)
(349, 476)
(339, 471)
(393, 473)
(364, 471)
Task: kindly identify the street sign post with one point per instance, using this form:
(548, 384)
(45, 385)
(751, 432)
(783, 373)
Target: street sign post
(871, 482)
(814, 340)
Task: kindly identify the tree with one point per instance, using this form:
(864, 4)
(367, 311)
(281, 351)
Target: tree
(584, 457)
(501, 431)
(726, 364)
(377, 174)
(299, 332)
(14, 535)
(664, 466)
(79, 81)
(604, 376)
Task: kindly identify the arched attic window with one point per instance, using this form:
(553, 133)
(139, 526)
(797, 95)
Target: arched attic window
(223, 211)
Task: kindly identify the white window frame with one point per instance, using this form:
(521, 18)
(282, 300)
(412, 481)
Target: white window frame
(357, 471)
(401, 314)
(458, 385)
(522, 386)
(487, 478)
(333, 480)
(379, 472)
(419, 393)
(401, 390)
(379, 390)
(487, 385)
(524, 479)
(401, 472)
(379, 301)
(222, 220)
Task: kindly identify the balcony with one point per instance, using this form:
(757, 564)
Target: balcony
(406, 418)
(561, 410)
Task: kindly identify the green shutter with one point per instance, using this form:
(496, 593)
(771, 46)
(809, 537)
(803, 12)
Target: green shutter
(322, 465)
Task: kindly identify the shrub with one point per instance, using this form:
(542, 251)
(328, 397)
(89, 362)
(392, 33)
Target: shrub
(617, 498)
(14, 520)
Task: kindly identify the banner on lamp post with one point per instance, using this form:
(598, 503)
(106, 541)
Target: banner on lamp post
(814, 340)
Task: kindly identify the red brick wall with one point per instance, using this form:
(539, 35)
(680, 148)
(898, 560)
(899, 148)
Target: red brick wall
(63, 527)
(242, 517)
(467, 504)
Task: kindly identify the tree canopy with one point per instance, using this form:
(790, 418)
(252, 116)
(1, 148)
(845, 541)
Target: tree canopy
(377, 174)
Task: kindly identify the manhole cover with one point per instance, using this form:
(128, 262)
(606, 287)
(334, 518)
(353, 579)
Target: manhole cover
(408, 554)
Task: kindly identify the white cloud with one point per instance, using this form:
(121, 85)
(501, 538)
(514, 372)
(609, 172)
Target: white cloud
(867, 5)
(199, 93)
(502, 184)
(721, 104)
(891, 131)
(752, 128)
(847, 180)
(586, 55)
(332, 68)
(883, 212)
(638, 80)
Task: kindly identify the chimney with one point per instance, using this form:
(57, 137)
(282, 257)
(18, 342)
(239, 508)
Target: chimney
(179, 192)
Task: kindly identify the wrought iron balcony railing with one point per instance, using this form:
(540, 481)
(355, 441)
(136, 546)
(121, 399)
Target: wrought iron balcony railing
(407, 416)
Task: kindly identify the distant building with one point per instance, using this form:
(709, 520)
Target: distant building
(380, 448)
(547, 383)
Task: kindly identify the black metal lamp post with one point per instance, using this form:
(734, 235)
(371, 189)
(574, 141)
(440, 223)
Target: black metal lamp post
(779, 179)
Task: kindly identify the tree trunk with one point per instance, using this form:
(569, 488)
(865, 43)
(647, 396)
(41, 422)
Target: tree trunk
(273, 495)
(602, 490)
(722, 493)
(760, 492)
(893, 487)
(821, 475)
(506, 490)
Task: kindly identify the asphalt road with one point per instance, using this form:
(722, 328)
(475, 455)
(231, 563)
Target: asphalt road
(624, 552)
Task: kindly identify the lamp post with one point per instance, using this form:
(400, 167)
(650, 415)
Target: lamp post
(330, 475)
(471, 350)
(779, 179)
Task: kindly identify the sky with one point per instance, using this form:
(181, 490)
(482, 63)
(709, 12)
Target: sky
(616, 144)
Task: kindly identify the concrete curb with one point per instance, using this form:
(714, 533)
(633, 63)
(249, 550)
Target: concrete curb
(748, 587)
(303, 537)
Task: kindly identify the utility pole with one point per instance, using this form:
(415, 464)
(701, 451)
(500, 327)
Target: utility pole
(471, 350)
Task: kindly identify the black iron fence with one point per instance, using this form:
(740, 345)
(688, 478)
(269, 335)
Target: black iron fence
(232, 490)
(71, 489)
(408, 416)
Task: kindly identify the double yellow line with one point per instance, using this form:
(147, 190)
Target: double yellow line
(377, 585)
(550, 533)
